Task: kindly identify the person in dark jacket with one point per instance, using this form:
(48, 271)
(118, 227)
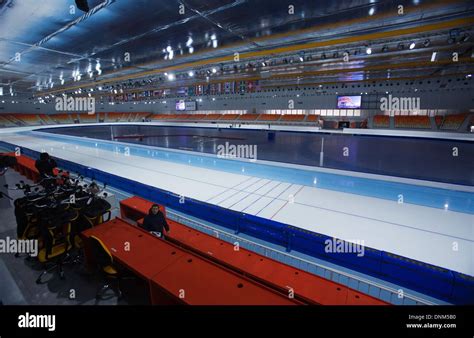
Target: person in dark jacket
(155, 221)
(45, 165)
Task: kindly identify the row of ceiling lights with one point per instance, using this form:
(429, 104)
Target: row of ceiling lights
(48, 98)
(11, 91)
(169, 52)
(302, 58)
(76, 74)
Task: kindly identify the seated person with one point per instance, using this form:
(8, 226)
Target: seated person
(155, 221)
(45, 165)
(93, 188)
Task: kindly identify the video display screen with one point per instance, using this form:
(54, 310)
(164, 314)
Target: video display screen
(348, 102)
(180, 105)
(190, 105)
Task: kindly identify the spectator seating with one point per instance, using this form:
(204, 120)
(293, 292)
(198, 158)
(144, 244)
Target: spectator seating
(62, 118)
(381, 121)
(28, 119)
(412, 122)
(86, 118)
(229, 117)
(312, 118)
(453, 122)
(248, 117)
(292, 118)
(269, 117)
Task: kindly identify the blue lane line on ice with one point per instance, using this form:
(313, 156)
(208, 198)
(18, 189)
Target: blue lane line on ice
(458, 201)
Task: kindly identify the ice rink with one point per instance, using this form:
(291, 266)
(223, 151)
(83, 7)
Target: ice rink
(432, 222)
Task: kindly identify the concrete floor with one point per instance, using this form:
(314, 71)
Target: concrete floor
(18, 275)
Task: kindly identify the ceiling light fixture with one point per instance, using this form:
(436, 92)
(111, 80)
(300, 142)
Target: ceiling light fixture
(189, 42)
(465, 37)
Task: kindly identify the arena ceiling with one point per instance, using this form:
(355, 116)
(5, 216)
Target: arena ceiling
(50, 47)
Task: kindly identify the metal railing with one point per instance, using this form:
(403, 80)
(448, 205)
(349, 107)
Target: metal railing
(372, 288)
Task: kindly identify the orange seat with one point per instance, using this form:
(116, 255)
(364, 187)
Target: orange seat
(381, 121)
(293, 118)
